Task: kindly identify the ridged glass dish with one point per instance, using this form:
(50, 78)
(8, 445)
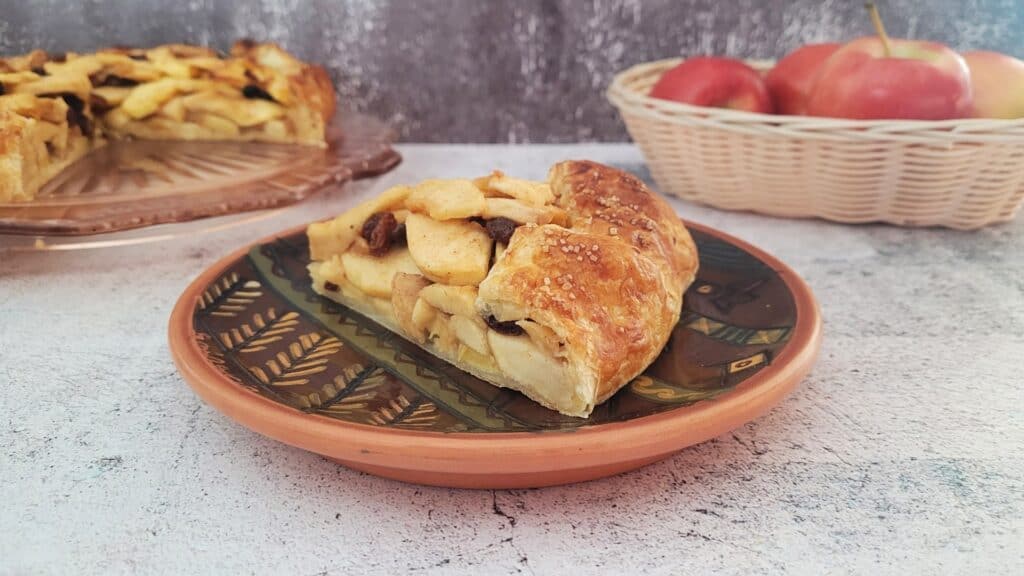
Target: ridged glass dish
(119, 193)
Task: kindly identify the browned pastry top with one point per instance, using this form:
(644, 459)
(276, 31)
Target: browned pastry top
(611, 282)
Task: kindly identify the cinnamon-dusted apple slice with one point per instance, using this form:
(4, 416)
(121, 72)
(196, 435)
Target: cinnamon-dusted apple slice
(405, 292)
(447, 199)
(145, 99)
(455, 300)
(450, 251)
(530, 192)
(472, 332)
(522, 213)
(423, 315)
(374, 274)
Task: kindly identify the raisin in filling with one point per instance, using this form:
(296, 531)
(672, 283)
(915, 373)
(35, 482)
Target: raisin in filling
(398, 234)
(500, 229)
(254, 92)
(118, 81)
(99, 105)
(378, 231)
(76, 114)
(509, 328)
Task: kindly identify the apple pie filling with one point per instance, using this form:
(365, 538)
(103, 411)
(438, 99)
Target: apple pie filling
(414, 258)
(185, 92)
(45, 124)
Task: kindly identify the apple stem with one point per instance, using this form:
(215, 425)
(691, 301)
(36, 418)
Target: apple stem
(876, 19)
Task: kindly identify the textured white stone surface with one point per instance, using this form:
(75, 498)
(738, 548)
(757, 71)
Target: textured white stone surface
(902, 453)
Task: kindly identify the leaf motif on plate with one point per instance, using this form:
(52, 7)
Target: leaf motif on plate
(334, 389)
(423, 416)
(395, 410)
(229, 296)
(213, 353)
(293, 366)
(362, 390)
(265, 329)
(354, 405)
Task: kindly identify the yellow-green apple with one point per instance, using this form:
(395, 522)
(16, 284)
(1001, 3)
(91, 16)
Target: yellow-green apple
(882, 78)
(791, 79)
(998, 83)
(715, 82)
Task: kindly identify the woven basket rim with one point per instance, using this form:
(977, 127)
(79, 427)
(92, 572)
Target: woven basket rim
(962, 174)
(627, 99)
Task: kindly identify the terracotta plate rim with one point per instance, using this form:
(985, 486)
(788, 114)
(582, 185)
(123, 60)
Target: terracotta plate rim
(647, 436)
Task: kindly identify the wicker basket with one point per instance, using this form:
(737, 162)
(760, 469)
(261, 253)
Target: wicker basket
(958, 173)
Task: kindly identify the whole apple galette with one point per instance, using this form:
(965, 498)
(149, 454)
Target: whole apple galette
(55, 108)
(564, 290)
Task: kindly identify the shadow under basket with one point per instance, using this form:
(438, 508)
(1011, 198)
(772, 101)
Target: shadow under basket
(961, 174)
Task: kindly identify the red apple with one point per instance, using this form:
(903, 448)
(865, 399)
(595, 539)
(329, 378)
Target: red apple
(913, 80)
(792, 78)
(882, 78)
(998, 83)
(715, 82)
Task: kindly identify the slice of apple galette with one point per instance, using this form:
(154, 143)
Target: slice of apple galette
(54, 108)
(45, 123)
(564, 290)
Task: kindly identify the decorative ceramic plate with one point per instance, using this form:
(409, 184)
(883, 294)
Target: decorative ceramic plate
(134, 183)
(254, 340)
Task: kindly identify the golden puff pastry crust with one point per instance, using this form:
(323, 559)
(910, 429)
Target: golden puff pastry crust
(610, 284)
(581, 286)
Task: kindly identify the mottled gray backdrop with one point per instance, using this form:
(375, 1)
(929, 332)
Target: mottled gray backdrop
(497, 71)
